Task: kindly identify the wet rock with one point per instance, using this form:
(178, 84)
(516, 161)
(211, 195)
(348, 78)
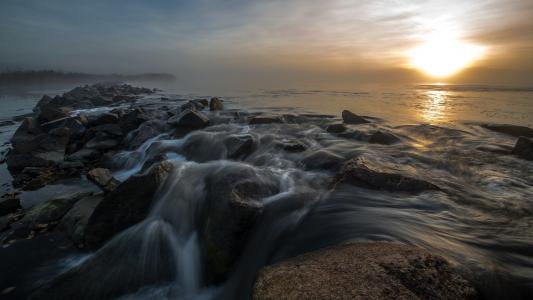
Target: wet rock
(514, 130)
(45, 99)
(132, 119)
(142, 134)
(293, 147)
(204, 102)
(233, 210)
(103, 178)
(239, 146)
(108, 129)
(17, 162)
(126, 205)
(216, 104)
(190, 119)
(60, 132)
(385, 138)
(33, 178)
(265, 120)
(193, 105)
(105, 118)
(51, 210)
(350, 118)
(51, 112)
(322, 160)
(363, 171)
(74, 124)
(523, 148)
(75, 220)
(83, 154)
(9, 204)
(363, 270)
(336, 128)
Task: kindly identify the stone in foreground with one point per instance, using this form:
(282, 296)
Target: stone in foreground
(524, 148)
(350, 118)
(364, 270)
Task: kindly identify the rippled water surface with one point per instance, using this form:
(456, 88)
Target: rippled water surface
(481, 218)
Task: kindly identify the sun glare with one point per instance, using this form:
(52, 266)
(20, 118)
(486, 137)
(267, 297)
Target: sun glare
(442, 58)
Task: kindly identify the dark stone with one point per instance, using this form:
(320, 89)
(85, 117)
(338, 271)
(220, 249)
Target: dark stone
(8, 205)
(216, 104)
(51, 112)
(514, 130)
(109, 129)
(74, 124)
(350, 118)
(233, 210)
(126, 205)
(385, 138)
(103, 178)
(190, 119)
(336, 128)
(364, 172)
(51, 210)
(142, 134)
(293, 147)
(17, 162)
(265, 120)
(105, 118)
(239, 146)
(322, 160)
(363, 270)
(33, 178)
(132, 119)
(523, 148)
(74, 222)
(60, 132)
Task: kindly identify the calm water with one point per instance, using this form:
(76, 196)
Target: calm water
(482, 220)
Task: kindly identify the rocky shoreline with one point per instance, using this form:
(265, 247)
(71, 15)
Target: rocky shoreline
(81, 133)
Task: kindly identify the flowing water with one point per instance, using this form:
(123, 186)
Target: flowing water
(481, 219)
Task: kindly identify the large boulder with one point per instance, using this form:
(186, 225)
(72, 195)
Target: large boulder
(524, 148)
(216, 104)
(384, 138)
(74, 124)
(103, 178)
(105, 118)
(126, 205)
(350, 118)
(322, 160)
(234, 208)
(50, 112)
(52, 210)
(74, 222)
(514, 130)
(365, 172)
(239, 146)
(363, 270)
(190, 119)
(132, 119)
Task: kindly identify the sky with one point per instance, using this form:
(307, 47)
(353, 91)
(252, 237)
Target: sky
(268, 42)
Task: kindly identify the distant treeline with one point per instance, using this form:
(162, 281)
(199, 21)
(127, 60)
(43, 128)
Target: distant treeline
(50, 76)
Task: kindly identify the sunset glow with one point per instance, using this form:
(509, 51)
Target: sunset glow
(442, 58)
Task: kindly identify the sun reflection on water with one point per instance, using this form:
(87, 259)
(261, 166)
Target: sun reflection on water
(435, 106)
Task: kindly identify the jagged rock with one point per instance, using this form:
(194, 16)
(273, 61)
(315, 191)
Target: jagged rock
(50, 112)
(45, 99)
(8, 205)
(75, 220)
(193, 105)
(239, 146)
(60, 132)
(103, 178)
(350, 118)
(293, 147)
(233, 210)
(17, 162)
(523, 148)
(216, 104)
(385, 138)
(109, 129)
(363, 171)
(322, 160)
(126, 205)
(514, 130)
(190, 119)
(204, 102)
(74, 124)
(105, 118)
(132, 119)
(336, 128)
(28, 136)
(363, 270)
(51, 210)
(146, 131)
(265, 120)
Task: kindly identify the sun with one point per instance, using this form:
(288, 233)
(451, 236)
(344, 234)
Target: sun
(442, 58)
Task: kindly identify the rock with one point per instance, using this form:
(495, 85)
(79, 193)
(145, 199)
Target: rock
(105, 118)
(126, 205)
(265, 120)
(385, 138)
(75, 220)
(108, 129)
(101, 143)
(364, 172)
(45, 99)
(514, 130)
(60, 132)
(336, 128)
(17, 162)
(103, 178)
(204, 102)
(363, 270)
(233, 210)
(192, 105)
(350, 118)
(322, 160)
(51, 210)
(523, 148)
(9, 205)
(216, 104)
(293, 147)
(33, 178)
(83, 154)
(190, 119)
(50, 112)
(132, 119)
(239, 146)
(74, 124)
(141, 135)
